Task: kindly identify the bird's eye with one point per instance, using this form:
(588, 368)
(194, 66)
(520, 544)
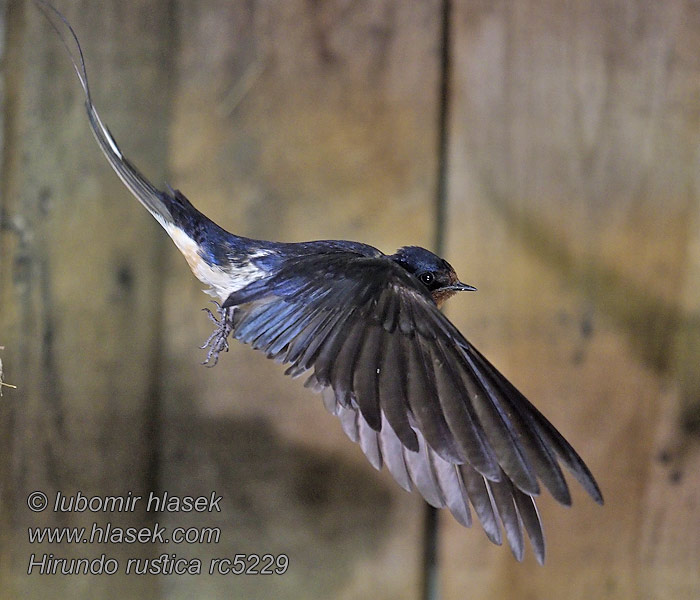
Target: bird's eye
(426, 278)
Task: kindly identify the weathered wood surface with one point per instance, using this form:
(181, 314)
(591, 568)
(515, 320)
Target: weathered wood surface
(80, 304)
(573, 207)
(295, 121)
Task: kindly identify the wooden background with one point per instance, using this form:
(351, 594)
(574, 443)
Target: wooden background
(573, 203)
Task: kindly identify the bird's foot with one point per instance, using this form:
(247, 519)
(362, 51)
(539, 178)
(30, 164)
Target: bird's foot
(218, 341)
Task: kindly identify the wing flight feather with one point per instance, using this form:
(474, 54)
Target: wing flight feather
(411, 390)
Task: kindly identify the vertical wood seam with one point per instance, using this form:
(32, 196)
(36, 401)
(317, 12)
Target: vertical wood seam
(153, 418)
(431, 538)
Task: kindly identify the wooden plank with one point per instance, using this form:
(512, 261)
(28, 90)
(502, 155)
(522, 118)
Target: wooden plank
(670, 543)
(295, 121)
(573, 164)
(80, 301)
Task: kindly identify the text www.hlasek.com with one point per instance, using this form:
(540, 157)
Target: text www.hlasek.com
(109, 533)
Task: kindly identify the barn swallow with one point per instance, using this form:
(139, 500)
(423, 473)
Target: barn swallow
(366, 329)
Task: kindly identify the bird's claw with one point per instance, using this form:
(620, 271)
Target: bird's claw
(217, 342)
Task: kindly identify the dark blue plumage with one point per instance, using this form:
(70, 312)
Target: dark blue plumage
(366, 330)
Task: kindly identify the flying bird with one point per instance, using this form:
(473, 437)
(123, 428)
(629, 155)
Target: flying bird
(366, 330)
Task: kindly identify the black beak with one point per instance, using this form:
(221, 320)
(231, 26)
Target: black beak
(461, 287)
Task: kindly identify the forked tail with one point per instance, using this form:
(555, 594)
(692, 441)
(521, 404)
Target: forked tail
(209, 250)
(158, 203)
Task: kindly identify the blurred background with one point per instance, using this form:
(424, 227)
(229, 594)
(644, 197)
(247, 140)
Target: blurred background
(570, 198)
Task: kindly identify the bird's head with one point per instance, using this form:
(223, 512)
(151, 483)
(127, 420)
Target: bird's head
(433, 272)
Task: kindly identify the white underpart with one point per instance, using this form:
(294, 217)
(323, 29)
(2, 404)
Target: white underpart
(163, 223)
(221, 282)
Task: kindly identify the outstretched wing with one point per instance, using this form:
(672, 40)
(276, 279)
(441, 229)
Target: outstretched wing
(400, 369)
(444, 484)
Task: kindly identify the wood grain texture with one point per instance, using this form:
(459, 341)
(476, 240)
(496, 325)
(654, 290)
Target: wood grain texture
(79, 301)
(296, 121)
(573, 202)
(573, 207)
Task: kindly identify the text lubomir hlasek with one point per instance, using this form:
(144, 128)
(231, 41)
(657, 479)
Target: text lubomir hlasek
(154, 502)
